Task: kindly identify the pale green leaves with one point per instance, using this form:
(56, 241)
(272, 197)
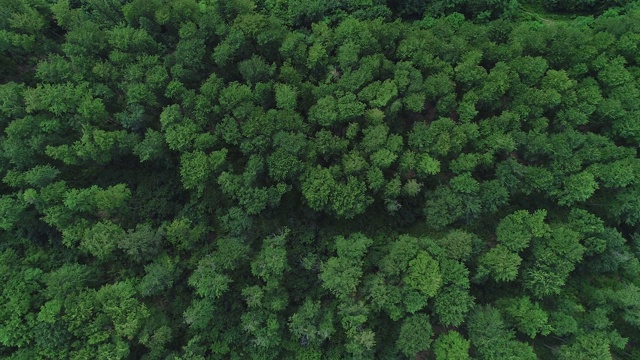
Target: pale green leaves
(516, 230)
(529, 317)
(122, 308)
(286, 97)
(310, 323)
(341, 275)
(428, 165)
(514, 234)
(379, 94)
(95, 199)
(424, 274)
(345, 199)
(317, 188)
(324, 112)
(102, 239)
(197, 167)
(208, 280)
(577, 188)
(271, 261)
(500, 263)
(451, 346)
(94, 146)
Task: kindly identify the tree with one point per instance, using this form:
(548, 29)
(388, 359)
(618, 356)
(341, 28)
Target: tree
(94, 145)
(555, 257)
(452, 305)
(11, 210)
(578, 187)
(500, 263)
(423, 274)
(183, 233)
(516, 230)
(152, 147)
(586, 347)
(415, 335)
(400, 253)
(493, 339)
(528, 317)
(341, 275)
(317, 187)
(108, 313)
(17, 318)
(197, 167)
(159, 276)
(208, 281)
(271, 262)
(310, 324)
(286, 97)
(350, 199)
(101, 240)
(142, 243)
(451, 345)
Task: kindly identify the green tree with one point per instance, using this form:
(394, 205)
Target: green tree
(451, 345)
(493, 339)
(415, 335)
(423, 274)
(502, 264)
(528, 317)
(341, 274)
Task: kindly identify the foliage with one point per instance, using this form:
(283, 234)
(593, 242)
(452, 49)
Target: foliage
(319, 179)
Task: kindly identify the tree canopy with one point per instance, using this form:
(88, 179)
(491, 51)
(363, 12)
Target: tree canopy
(307, 179)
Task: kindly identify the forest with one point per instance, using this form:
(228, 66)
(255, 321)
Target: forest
(320, 179)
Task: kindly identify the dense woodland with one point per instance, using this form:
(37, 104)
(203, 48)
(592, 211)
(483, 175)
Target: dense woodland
(319, 179)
